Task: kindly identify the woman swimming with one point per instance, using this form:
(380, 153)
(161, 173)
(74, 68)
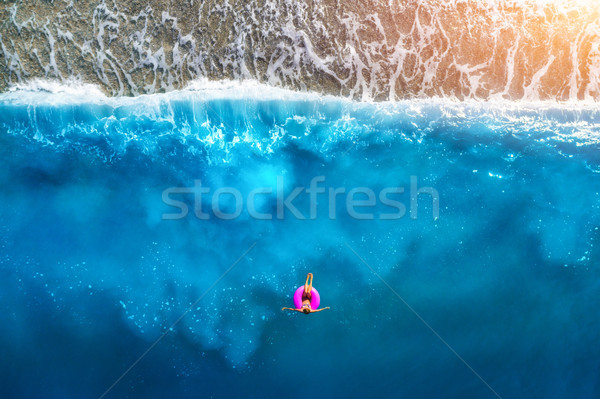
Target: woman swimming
(307, 297)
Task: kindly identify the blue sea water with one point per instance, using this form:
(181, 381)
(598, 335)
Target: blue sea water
(496, 295)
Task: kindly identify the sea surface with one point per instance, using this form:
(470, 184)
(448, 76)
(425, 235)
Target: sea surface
(482, 283)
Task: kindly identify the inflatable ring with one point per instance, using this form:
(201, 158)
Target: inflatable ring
(315, 299)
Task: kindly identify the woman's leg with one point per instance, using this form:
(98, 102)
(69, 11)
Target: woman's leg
(308, 285)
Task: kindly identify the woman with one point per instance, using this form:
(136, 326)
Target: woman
(306, 298)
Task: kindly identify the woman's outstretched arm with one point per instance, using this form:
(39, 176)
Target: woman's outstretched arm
(297, 310)
(318, 310)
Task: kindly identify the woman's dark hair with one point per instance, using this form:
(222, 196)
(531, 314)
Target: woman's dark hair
(306, 311)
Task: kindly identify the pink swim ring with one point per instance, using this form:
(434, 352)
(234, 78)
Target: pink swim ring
(315, 299)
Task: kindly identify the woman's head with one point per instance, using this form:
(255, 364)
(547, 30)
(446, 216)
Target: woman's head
(306, 308)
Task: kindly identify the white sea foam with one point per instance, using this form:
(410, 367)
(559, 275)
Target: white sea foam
(39, 91)
(74, 91)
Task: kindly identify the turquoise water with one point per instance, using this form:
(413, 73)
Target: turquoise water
(93, 273)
